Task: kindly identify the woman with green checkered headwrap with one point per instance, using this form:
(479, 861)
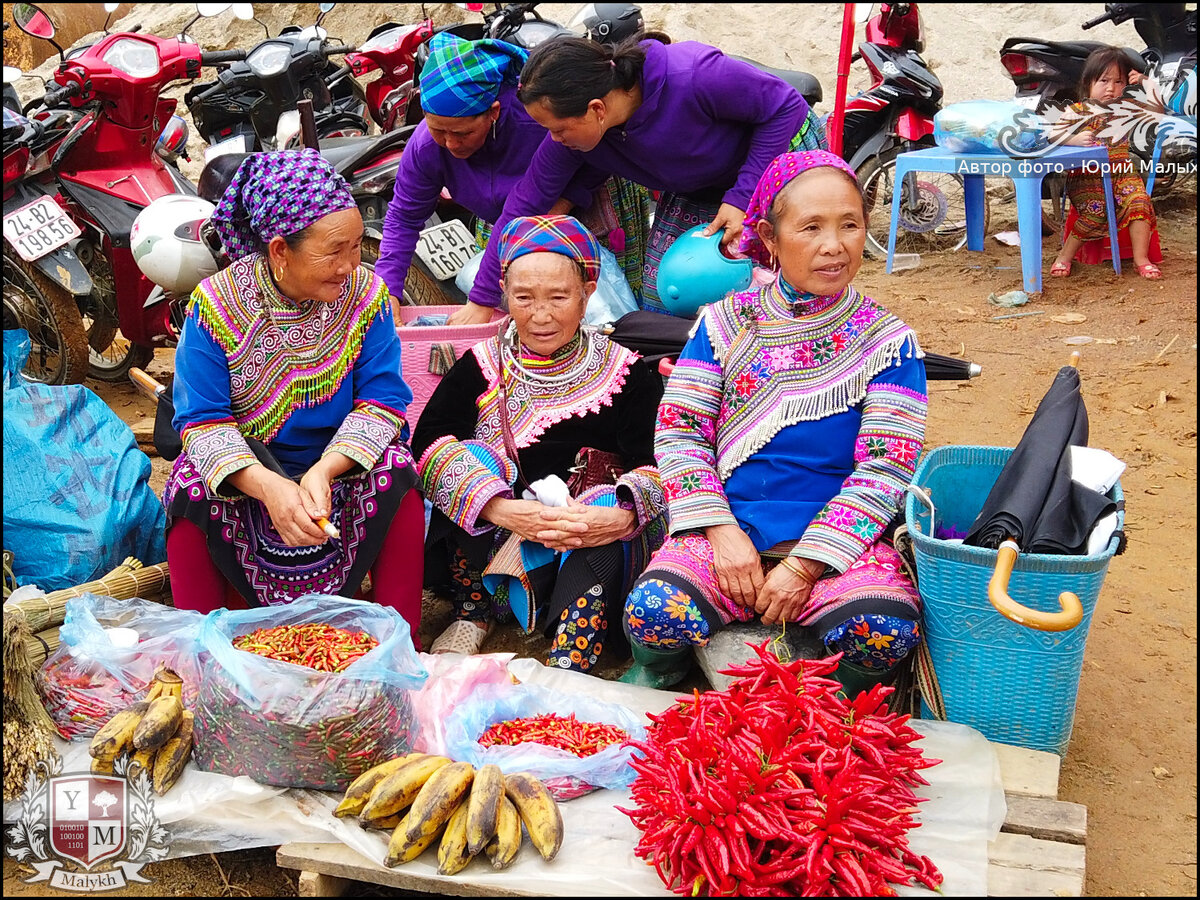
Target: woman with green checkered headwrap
(476, 142)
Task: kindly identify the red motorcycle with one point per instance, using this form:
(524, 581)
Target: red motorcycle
(392, 50)
(893, 116)
(106, 171)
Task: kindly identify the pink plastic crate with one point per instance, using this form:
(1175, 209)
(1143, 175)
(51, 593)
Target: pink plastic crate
(427, 351)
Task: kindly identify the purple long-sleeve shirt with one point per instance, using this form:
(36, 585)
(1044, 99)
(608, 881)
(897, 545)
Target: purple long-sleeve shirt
(481, 183)
(706, 123)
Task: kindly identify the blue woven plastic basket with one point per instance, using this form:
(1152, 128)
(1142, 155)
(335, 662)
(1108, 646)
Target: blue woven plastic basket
(1013, 683)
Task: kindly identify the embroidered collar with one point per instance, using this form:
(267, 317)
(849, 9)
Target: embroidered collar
(597, 366)
(282, 356)
(778, 370)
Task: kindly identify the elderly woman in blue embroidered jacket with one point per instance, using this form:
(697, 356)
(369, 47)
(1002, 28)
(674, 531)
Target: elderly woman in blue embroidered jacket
(289, 399)
(787, 434)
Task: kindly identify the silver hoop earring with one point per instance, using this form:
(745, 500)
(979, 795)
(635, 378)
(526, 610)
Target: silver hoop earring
(493, 129)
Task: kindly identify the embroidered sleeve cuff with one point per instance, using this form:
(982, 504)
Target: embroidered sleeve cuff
(641, 492)
(459, 484)
(365, 433)
(217, 451)
(839, 534)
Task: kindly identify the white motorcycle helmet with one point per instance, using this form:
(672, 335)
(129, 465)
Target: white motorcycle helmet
(166, 242)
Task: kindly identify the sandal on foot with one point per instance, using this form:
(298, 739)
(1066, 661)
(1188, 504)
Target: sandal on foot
(1150, 271)
(461, 636)
(1060, 270)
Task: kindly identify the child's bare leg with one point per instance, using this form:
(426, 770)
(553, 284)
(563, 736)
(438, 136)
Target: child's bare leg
(1070, 247)
(1139, 237)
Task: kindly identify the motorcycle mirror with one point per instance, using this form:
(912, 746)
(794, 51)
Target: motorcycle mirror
(11, 74)
(208, 10)
(33, 21)
(862, 12)
(324, 8)
(243, 11)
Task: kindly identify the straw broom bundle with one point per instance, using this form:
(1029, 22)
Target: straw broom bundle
(128, 580)
(27, 726)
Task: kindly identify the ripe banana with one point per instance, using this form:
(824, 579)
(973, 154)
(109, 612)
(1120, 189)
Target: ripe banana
(394, 792)
(402, 850)
(103, 765)
(159, 723)
(388, 824)
(360, 788)
(173, 755)
(116, 735)
(453, 853)
(503, 848)
(483, 806)
(155, 691)
(144, 760)
(438, 799)
(538, 811)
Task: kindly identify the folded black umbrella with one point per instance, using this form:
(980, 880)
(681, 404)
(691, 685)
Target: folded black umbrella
(939, 367)
(1034, 501)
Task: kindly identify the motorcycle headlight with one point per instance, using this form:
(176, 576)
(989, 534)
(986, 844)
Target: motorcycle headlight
(135, 58)
(269, 59)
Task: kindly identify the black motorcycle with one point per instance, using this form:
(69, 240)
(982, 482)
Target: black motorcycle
(252, 104)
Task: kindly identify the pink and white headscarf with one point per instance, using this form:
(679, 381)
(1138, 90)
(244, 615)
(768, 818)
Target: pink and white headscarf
(779, 173)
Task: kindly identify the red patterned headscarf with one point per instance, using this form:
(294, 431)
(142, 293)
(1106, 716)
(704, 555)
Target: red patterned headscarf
(550, 234)
(779, 173)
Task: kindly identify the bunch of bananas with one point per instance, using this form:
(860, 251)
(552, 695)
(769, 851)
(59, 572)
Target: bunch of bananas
(156, 732)
(470, 810)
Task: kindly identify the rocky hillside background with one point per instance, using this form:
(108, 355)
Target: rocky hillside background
(962, 39)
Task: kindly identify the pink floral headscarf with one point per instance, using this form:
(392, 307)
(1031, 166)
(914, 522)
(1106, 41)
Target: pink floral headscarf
(779, 173)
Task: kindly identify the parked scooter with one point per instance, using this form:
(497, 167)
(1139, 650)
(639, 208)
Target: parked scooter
(102, 174)
(893, 116)
(252, 104)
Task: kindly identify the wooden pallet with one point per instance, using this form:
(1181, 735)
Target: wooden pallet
(1038, 853)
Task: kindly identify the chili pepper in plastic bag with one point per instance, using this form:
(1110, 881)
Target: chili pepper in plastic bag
(318, 646)
(551, 730)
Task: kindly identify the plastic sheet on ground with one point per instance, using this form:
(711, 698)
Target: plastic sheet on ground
(205, 813)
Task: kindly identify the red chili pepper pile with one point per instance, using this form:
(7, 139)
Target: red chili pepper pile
(777, 787)
(579, 738)
(316, 645)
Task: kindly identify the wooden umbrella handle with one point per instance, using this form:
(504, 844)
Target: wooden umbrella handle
(1070, 614)
(145, 383)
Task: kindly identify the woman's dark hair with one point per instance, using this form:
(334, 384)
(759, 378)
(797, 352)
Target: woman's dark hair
(570, 72)
(1097, 64)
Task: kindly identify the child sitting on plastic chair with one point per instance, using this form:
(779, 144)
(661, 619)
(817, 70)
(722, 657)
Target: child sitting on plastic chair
(1105, 76)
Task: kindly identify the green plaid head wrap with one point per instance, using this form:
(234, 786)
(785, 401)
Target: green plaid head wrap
(463, 78)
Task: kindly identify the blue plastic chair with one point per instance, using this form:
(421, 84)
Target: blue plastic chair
(1026, 173)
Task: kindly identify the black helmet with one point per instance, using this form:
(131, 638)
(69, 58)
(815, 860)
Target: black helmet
(608, 23)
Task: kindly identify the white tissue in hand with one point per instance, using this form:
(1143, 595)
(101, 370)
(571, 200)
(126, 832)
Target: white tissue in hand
(549, 491)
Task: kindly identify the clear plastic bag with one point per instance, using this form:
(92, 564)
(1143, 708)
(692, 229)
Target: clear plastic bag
(988, 126)
(565, 774)
(286, 724)
(93, 675)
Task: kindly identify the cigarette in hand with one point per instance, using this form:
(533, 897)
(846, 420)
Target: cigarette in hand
(329, 528)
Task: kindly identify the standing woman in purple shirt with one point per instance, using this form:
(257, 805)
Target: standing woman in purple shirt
(683, 119)
(477, 142)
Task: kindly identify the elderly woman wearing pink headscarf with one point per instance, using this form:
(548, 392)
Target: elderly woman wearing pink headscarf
(787, 434)
(290, 403)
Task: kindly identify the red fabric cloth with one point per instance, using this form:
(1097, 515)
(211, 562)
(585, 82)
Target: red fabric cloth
(396, 575)
(1097, 251)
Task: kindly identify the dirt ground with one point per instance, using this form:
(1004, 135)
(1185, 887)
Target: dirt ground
(1132, 756)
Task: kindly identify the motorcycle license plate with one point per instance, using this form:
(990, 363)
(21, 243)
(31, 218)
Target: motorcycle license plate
(446, 248)
(38, 228)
